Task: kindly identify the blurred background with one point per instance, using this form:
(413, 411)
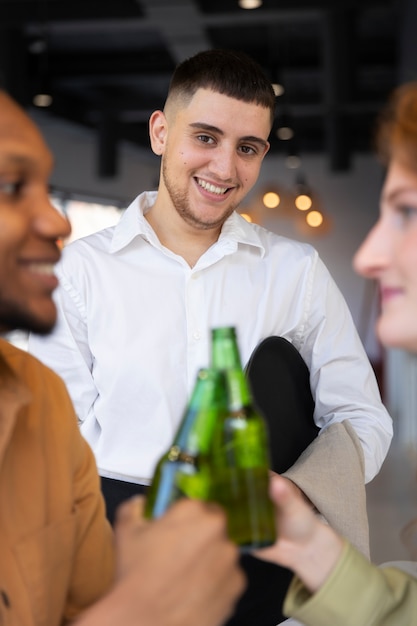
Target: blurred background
(90, 73)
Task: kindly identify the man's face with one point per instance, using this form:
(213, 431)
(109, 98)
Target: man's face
(29, 225)
(212, 150)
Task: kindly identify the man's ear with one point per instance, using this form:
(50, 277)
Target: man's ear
(158, 128)
(268, 145)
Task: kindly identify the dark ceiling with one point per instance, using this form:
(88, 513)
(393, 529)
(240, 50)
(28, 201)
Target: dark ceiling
(108, 64)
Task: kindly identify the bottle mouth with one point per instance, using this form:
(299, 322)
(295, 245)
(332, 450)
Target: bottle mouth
(223, 332)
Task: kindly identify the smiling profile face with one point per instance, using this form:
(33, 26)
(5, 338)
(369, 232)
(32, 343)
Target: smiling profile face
(389, 255)
(29, 225)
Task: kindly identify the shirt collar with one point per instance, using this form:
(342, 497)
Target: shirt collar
(133, 223)
(236, 230)
(239, 230)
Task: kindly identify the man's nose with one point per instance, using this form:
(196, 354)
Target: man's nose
(223, 164)
(49, 221)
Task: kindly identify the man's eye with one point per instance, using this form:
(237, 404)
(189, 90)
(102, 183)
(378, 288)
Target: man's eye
(11, 188)
(248, 150)
(205, 139)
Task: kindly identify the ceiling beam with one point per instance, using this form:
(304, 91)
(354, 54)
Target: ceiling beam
(337, 81)
(15, 13)
(407, 53)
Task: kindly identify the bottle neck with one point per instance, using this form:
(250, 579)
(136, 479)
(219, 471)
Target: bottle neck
(207, 402)
(225, 351)
(238, 390)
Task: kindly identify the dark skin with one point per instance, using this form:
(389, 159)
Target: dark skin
(180, 570)
(29, 225)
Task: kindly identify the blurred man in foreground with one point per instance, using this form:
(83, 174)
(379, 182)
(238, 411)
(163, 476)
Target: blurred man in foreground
(58, 561)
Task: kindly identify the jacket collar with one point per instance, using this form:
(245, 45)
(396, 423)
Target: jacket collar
(14, 394)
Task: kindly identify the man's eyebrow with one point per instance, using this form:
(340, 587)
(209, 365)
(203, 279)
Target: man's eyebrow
(253, 139)
(10, 158)
(214, 129)
(208, 127)
(20, 160)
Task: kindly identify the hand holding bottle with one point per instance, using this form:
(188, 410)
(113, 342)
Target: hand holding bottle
(178, 569)
(305, 544)
(220, 452)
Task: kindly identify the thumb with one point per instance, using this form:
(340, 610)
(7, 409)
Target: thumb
(282, 491)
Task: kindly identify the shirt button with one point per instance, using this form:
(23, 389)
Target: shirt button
(196, 335)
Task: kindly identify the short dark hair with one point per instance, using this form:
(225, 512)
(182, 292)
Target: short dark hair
(231, 73)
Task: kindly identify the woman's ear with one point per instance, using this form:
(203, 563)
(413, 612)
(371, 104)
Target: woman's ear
(158, 127)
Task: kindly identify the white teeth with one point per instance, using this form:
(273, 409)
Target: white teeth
(212, 188)
(43, 268)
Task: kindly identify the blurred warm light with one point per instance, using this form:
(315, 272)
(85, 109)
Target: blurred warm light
(278, 89)
(301, 205)
(303, 202)
(271, 200)
(250, 4)
(274, 201)
(247, 217)
(293, 161)
(314, 219)
(314, 224)
(285, 133)
(42, 100)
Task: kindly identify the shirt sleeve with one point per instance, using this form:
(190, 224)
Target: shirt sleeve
(356, 593)
(66, 350)
(342, 379)
(330, 474)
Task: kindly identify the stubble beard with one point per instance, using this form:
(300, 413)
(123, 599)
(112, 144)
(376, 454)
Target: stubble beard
(181, 203)
(13, 317)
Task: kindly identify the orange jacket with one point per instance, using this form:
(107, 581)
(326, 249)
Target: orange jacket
(56, 551)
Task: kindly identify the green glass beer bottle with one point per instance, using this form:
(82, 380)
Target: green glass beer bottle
(239, 457)
(183, 470)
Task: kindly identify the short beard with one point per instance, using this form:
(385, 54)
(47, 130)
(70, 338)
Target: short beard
(182, 205)
(20, 320)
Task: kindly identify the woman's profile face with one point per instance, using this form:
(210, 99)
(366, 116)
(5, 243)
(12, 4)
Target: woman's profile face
(389, 255)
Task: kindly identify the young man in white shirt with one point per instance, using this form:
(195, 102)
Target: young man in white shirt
(137, 301)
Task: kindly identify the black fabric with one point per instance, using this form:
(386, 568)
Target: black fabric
(115, 492)
(261, 603)
(280, 384)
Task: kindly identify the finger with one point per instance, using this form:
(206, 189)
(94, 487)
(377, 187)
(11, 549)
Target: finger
(286, 495)
(131, 510)
(209, 513)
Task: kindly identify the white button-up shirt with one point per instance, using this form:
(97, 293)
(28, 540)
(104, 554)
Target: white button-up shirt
(134, 327)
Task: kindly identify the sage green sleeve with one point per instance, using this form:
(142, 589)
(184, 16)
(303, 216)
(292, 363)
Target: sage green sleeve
(356, 593)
